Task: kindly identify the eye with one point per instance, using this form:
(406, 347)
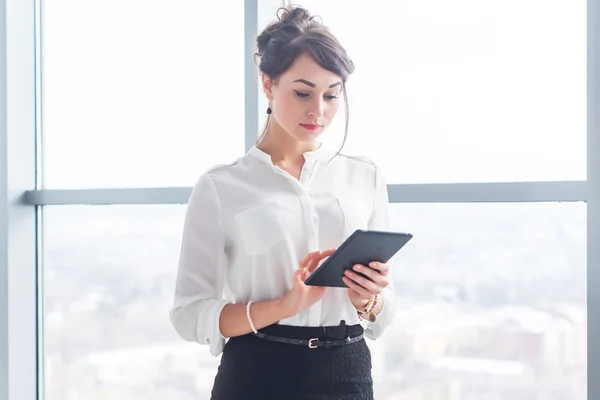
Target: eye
(300, 94)
(332, 97)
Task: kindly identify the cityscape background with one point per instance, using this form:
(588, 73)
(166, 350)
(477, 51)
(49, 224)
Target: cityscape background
(491, 305)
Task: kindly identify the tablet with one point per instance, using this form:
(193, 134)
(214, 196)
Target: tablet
(362, 247)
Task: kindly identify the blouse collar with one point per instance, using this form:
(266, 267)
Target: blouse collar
(321, 152)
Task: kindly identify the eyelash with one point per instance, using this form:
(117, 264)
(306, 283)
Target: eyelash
(302, 95)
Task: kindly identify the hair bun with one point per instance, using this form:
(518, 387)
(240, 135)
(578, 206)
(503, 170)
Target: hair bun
(293, 14)
(290, 17)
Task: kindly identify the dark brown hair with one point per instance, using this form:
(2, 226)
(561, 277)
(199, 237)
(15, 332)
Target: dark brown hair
(294, 33)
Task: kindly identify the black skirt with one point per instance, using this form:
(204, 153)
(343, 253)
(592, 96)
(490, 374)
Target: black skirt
(257, 369)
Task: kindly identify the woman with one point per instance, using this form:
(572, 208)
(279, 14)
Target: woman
(256, 228)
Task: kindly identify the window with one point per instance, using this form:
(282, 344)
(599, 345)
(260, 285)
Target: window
(492, 303)
(109, 276)
(140, 93)
(492, 300)
(465, 91)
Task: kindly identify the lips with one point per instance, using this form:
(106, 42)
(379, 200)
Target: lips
(312, 127)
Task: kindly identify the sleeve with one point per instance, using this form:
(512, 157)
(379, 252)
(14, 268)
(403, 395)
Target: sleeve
(201, 273)
(379, 221)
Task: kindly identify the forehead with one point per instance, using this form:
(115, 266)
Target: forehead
(305, 67)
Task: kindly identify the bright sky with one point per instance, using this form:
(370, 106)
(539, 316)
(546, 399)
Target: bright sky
(136, 93)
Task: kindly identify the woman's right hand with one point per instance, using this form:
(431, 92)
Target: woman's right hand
(302, 296)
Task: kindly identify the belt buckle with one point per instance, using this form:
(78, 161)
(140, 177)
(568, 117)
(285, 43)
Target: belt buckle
(311, 345)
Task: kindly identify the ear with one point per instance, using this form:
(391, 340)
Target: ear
(267, 85)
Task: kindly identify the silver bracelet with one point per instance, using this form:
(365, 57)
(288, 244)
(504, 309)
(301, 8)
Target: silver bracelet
(248, 316)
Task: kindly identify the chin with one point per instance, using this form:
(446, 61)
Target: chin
(308, 137)
(304, 135)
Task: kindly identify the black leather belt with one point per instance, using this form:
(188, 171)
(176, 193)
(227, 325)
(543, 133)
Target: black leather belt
(311, 343)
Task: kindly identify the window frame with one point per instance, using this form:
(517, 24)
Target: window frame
(19, 324)
(21, 200)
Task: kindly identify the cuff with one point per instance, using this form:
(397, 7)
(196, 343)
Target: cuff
(385, 318)
(216, 340)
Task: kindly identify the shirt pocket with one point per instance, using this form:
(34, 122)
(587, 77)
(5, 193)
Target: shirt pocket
(260, 227)
(356, 214)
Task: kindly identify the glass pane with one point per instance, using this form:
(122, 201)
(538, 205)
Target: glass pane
(109, 276)
(492, 301)
(466, 90)
(140, 93)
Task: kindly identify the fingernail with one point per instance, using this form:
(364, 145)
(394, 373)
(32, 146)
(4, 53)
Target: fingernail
(372, 264)
(357, 267)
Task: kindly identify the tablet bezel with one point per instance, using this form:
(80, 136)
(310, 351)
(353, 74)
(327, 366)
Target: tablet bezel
(339, 252)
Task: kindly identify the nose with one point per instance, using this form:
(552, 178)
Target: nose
(317, 108)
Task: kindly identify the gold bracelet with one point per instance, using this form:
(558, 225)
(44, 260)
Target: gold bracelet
(369, 310)
(368, 305)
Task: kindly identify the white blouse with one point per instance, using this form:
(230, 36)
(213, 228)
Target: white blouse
(247, 226)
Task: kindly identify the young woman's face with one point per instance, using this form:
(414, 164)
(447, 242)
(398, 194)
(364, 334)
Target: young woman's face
(305, 98)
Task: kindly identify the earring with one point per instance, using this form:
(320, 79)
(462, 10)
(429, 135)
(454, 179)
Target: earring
(269, 111)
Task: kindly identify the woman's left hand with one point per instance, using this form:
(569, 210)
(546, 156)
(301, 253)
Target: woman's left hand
(362, 290)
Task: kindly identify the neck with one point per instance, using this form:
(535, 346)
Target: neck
(283, 148)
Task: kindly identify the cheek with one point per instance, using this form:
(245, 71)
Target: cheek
(333, 109)
(288, 110)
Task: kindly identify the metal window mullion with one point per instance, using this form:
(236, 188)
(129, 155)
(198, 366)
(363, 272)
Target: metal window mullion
(18, 269)
(425, 193)
(251, 98)
(491, 192)
(593, 207)
(4, 306)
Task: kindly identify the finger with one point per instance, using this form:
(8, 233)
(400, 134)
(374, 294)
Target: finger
(324, 255)
(307, 259)
(354, 293)
(373, 274)
(312, 265)
(305, 273)
(298, 278)
(357, 288)
(328, 252)
(383, 268)
(368, 284)
(316, 261)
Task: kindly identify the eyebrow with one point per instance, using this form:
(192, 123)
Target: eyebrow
(312, 85)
